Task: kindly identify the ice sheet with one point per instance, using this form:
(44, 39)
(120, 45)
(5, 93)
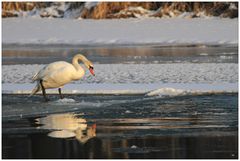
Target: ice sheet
(138, 73)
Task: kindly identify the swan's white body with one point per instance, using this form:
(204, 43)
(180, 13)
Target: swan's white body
(57, 74)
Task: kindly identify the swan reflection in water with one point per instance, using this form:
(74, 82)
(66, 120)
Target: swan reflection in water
(67, 125)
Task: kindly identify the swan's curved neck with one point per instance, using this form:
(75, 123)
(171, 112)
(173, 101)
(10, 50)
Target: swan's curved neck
(75, 61)
(79, 70)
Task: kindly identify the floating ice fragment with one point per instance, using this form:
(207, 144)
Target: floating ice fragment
(203, 54)
(167, 91)
(128, 111)
(66, 100)
(133, 146)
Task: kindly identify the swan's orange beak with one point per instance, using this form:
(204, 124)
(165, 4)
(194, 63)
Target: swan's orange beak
(94, 126)
(91, 71)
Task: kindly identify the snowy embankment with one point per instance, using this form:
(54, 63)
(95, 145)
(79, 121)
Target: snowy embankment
(151, 79)
(175, 31)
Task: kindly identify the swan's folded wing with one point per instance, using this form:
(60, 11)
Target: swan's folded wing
(49, 69)
(59, 77)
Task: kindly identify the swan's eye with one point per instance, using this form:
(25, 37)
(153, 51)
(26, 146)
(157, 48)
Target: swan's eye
(90, 67)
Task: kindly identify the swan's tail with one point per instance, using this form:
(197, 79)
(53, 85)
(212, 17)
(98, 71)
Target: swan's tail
(34, 78)
(36, 89)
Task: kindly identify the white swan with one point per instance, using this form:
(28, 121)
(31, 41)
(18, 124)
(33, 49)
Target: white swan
(57, 74)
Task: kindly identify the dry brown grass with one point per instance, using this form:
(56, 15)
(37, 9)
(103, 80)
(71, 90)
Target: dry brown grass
(7, 7)
(110, 9)
(107, 9)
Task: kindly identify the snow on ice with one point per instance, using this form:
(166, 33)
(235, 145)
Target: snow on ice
(164, 31)
(170, 79)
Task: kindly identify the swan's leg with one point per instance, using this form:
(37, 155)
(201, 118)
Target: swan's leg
(43, 91)
(60, 93)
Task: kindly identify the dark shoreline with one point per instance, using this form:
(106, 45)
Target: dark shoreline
(7, 46)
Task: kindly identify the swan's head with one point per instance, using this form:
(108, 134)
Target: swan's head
(89, 65)
(91, 69)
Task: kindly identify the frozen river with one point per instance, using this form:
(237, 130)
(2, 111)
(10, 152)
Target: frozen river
(175, 120)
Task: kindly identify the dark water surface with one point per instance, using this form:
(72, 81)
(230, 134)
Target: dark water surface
(122, 54)
(120, 126)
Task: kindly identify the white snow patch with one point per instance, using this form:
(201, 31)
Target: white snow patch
(233, 6)
(90, 5)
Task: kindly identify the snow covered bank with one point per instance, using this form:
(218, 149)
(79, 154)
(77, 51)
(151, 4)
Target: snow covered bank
(176, 31)
(153, 89)
(138, 73)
